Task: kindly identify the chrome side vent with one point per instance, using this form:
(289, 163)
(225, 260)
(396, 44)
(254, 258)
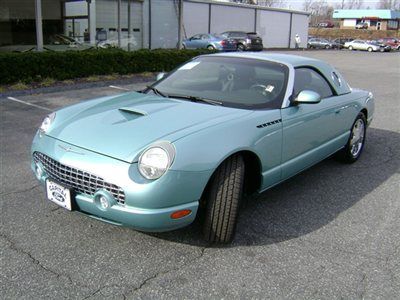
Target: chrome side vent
(269, 123)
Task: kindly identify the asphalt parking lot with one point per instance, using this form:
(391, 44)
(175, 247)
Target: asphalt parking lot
(331, 232)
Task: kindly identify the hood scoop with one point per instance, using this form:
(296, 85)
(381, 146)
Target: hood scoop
(131, 110)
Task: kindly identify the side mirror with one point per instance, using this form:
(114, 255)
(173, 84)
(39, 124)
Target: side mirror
(160, 76)
(307, 97)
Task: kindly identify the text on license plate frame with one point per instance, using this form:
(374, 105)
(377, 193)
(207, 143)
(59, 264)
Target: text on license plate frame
(59, 194)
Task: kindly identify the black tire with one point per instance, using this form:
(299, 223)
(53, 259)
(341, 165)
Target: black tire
(223, 199)
(210, 47)
(370, 49)
(327, 47)
(350, 48)
(346, 155)
(241, 47)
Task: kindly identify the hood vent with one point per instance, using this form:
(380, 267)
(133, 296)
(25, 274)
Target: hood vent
(133, 111)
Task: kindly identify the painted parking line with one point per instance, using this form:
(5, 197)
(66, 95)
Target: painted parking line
(27, 103)
(118, 88)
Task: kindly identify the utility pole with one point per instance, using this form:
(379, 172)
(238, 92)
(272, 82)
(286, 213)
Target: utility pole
(180, 24)
(119, 23)
(39, 28)
(130, 29)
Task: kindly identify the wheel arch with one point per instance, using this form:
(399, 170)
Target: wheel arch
(365, 112)
(253, 172)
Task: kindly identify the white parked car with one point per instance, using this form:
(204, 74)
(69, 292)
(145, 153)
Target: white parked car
(362, 45)
(362, 25)
(113, 43)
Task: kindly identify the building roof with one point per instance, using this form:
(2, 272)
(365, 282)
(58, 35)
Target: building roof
(366, 13)
(259, 7)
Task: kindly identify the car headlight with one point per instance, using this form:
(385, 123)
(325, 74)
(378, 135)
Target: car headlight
(156, 160)
(47, 122)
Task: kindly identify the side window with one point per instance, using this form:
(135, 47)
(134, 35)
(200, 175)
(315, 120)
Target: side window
(196, 37)
(308, 79)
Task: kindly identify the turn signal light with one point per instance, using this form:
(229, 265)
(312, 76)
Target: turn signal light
(180, 213)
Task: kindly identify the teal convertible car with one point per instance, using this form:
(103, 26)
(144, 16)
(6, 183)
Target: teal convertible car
(194, 143)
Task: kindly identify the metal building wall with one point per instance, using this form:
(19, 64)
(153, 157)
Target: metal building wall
(274, 28)
(300, 27)
(225, 18)
(107, 18)
(164, 24)
(195, 18)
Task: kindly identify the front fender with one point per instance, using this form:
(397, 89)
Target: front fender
(206, 149)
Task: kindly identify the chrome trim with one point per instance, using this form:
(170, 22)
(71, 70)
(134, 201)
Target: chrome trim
(81, 181)
(69, 149)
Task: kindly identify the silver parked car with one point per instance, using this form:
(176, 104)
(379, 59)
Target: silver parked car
(362, 45)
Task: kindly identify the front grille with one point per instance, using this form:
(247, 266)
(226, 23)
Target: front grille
(81, 181)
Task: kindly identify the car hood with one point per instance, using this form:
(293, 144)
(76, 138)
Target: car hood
(122, 126)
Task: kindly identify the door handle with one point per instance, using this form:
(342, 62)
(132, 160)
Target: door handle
(341, 108)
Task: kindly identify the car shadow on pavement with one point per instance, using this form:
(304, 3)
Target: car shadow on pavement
(311, 199)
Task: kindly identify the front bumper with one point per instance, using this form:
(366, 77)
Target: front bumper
(148, 204)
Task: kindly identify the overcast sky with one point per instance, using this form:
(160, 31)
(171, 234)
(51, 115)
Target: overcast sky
(298, 4)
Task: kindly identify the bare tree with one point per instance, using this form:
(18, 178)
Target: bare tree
(307, 5)
(389, 4)
(270, 3)
(320, 10)
(354, 4)
(267, 3)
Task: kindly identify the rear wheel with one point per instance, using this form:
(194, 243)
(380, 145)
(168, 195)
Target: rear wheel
(350, 48)
(327, 47)
(240, 47)
(210, 47)
(355, 145)
(223, 199)
(370, 49)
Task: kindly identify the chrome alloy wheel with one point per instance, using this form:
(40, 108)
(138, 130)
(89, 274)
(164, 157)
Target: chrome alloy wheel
(357, 137)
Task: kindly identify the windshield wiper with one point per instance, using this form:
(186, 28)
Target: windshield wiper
(196, 99)
(156, 91)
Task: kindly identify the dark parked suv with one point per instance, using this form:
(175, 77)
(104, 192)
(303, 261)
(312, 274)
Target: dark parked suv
(245, 40)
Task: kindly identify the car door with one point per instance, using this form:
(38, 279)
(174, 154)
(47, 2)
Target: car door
(204, 41)
(194, 42)
(309, 130)
(363, 46)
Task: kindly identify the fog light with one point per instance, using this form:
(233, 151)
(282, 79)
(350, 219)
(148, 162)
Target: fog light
(104, 200)
(104, 204)
(38, 171)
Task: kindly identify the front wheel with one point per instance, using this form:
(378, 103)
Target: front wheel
(210, 47)
(355, 145)
(350, 48)
(370, 49)
(223, 199)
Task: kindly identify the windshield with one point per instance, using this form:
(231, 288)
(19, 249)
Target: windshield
(231, 81)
